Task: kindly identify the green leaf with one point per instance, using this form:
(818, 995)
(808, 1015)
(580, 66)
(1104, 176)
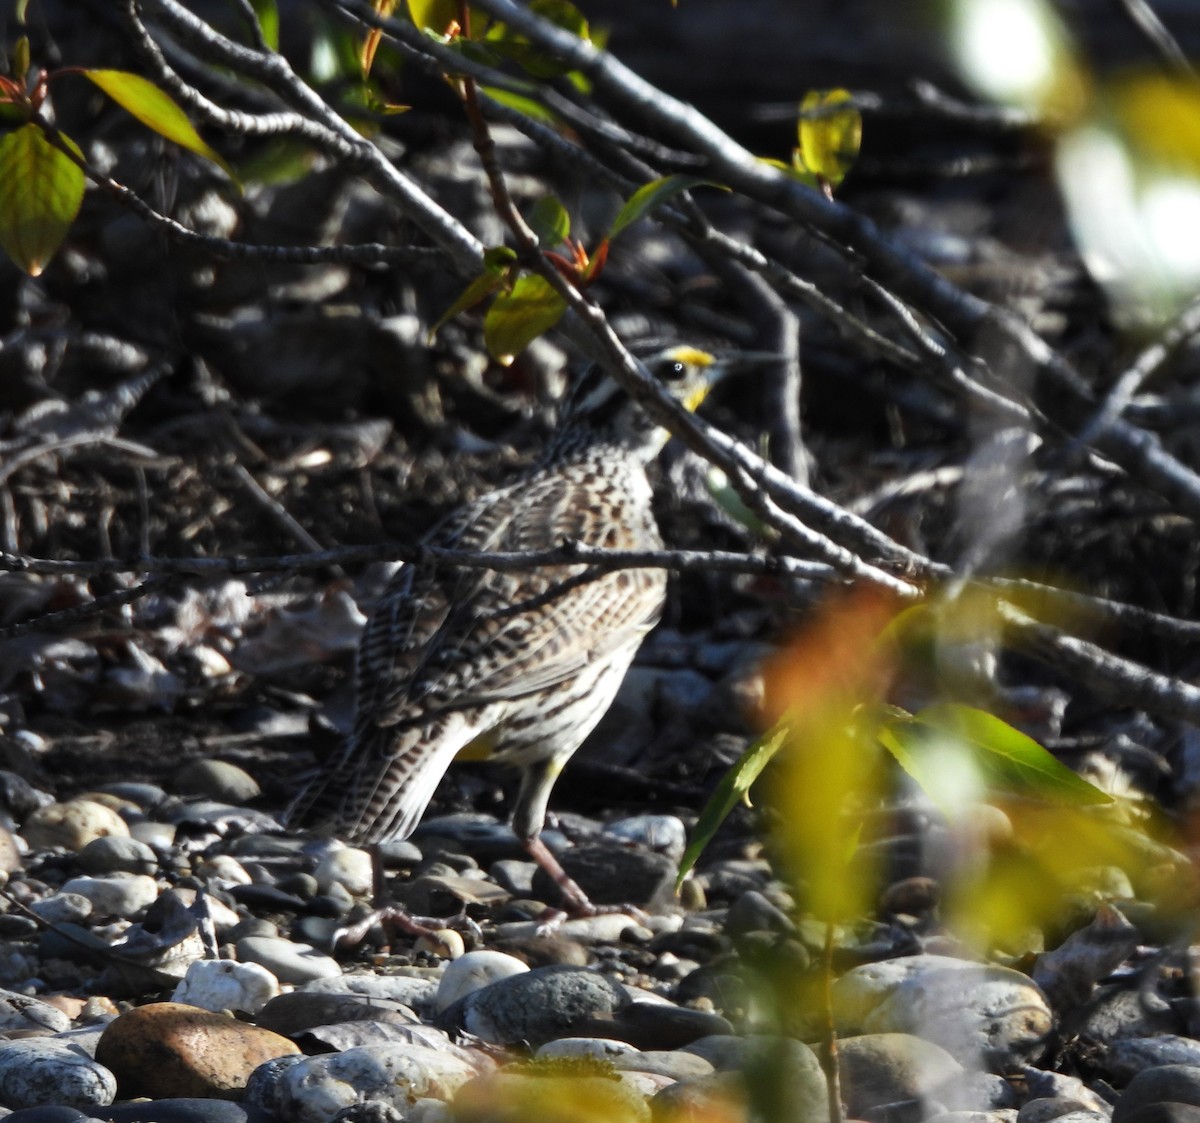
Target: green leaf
(267, 12)
(654, 194)
(829, 137)
(155, 110)
(20, 66)
(41, 189)
(562, 13)
(517, 318)
(550, 221)
(522, 104)
(483, 285)
(732, 788)
(948, 737)
(537, 61)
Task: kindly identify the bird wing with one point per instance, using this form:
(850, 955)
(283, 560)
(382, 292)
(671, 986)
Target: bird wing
(447, 638)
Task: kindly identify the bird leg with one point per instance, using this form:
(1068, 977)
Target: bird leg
(393, 919)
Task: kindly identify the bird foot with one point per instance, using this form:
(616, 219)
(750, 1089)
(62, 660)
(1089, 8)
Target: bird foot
(553, 919)
(396, 921)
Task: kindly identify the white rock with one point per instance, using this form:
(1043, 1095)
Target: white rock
(225, 870)
(288, 962)
(980, 1014)
(472, 971)
(72, 825)
(222, 984)
(117, 894)
(40, 1070)
(350, 868)
(62, 908)
(317, 1088)
(159, 836)
(665, 834)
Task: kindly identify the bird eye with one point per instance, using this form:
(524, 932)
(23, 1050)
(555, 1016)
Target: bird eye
(675, 372)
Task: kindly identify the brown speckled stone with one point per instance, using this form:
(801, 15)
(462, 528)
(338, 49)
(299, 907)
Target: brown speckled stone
(167, 1049)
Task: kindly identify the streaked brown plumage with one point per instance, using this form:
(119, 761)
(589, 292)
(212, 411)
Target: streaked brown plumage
(526, 661)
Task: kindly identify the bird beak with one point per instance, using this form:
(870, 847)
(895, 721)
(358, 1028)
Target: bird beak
(732, 363)
(738, 362)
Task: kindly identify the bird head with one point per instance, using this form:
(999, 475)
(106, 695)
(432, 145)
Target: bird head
(597, 410)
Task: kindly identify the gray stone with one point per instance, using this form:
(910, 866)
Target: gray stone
(115, 854)
(317, 1088)
(981, 1014)
(62, 908)
(1127, 1056)
(288, 962)
(1045, 1108)
(417, 991)
(20, 1013)
(119, 894)
(611, 874)
(1165, 1084)
(664, 834)
(540, 1005)
(883, 1068)
(301, 1010)
(1167, 1112)
(217, 779)
(664, 1062)
(41, 1070)
(598, 1048)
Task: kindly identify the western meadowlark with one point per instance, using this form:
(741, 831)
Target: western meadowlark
(521, 663)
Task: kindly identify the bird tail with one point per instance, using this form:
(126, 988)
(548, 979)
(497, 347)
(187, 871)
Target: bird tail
(378, 786)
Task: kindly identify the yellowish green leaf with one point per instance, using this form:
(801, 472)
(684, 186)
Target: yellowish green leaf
(41, 189)
(155, 110)
(433, 15)
(830, 134)
(654, 194)
(518, 317)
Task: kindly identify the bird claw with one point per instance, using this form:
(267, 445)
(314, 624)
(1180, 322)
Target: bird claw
(553, 919)
(394, 921)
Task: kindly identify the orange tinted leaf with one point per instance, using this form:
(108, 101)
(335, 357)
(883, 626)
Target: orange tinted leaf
(40, 192)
